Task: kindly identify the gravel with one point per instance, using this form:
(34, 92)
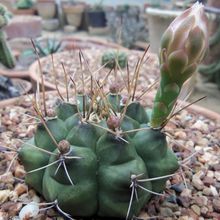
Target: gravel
(193, 193)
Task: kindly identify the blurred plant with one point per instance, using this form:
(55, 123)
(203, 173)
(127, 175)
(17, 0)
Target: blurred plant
(6, 57)
(98, 6)
(51, 46)
(24, 4)
(114, 59)
(7, 89)
(212, 71)
(126, 25)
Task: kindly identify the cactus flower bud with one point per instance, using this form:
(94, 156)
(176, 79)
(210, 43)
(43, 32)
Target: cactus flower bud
(183, 46)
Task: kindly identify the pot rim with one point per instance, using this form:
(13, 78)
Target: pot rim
(209, 114)
(14, 73)
(51, 86)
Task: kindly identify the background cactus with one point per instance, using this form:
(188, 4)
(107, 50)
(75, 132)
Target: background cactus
(114, 59)
(6, 57)
(24, 4)
(212, 70)
(101, 156)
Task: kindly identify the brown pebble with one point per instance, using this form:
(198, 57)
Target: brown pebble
(19, 172)
(216, 205)
(208, 181)
(204, 210)
(7, 178)
(20, 189)
(216, 167)
(11, 208)
(200, 200)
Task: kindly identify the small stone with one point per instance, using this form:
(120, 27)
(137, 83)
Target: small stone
(210, 174)
(186, 193)
(192, 214)
(4, 195)
(184, 201)
(217, 175)
(208, 181)
(216, 167)
(178, 187)
(183, 218)
(207, 191)
(200, 200)
(197, 183)
(177, 213)
(203, 142)
(180, 135)
(143, 215)
(216, 205)
(173, 207)
(7, 178)
(204, 210)
(12, 208)
(214, 191)
(4, 216)
(201, 126)
(166, 212)
(29, 211)
(20, 189)
(196, 209)
(217, 185)
(19, 172)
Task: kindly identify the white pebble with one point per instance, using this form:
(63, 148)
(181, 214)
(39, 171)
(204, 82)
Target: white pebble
(214, 191)
(29, 211)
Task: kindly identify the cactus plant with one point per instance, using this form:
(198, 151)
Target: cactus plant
(105, 155)
(24, 4)
(114, 59)
(6, 57)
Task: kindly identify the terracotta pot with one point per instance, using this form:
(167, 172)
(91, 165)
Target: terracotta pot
(24, 26)
(14, 73)
(73, 14)
(30, 11)
(46, 8)
(72, 43)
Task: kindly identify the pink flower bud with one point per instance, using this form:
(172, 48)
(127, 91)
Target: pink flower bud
(184, 43)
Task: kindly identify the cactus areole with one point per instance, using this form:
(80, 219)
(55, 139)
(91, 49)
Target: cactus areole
(106, 156)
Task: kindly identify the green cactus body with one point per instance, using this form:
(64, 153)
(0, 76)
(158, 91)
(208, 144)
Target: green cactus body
(100, 178)
(114, 59)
